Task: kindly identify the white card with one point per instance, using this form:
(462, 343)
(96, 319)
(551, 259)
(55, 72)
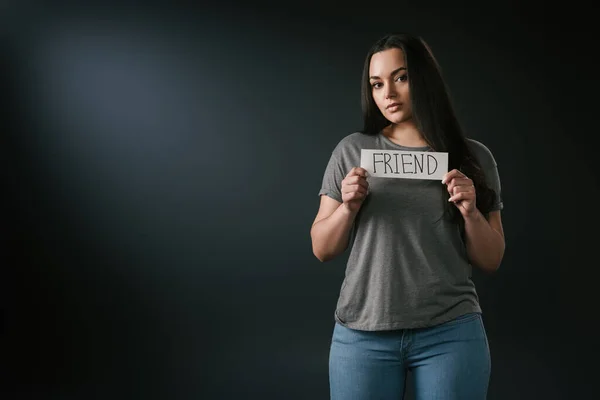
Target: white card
(404, 164)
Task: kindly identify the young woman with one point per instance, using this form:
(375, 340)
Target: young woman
(408, 302)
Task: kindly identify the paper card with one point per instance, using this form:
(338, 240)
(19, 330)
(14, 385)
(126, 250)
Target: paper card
(404, 164)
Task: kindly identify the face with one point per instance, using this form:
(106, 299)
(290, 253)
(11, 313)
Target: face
(389, 85)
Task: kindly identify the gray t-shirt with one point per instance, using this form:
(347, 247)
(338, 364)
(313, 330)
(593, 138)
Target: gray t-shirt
(407, 266)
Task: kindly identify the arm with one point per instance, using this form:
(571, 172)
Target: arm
(485, 240)
(484, 236)
(331, 229)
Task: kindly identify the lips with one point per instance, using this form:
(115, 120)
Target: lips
(393, 106)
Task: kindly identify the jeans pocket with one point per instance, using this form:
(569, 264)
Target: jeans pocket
(461, 319)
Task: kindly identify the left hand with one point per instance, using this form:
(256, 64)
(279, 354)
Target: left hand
(462, 192)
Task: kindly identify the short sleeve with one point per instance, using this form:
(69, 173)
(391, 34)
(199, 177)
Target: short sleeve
(332, 179)
(492, 177)
(490, 169)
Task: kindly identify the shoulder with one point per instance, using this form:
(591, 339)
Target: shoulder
(348, 150)
(482, 153)
(355, 138)
(353, 142)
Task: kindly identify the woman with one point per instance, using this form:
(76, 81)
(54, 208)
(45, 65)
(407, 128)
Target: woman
(407, 302)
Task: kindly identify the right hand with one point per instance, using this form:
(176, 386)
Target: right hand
(355, 189)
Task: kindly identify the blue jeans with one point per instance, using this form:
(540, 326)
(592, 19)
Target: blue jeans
(450, 361)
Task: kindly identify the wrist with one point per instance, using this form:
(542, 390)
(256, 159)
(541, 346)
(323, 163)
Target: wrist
(473, 217)
(347, 211)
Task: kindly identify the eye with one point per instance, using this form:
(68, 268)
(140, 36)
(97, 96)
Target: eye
(402, 78)
(376, 85)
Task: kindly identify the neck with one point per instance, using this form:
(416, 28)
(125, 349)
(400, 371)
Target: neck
(405, 134)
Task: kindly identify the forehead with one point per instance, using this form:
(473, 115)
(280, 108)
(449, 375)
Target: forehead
(386, 61)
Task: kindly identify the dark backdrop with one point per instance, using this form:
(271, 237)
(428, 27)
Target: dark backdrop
(161, 167)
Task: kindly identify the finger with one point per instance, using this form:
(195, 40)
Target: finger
(458, 182)
(448, 176)
(462, 196)
(462, 189)
(354, 196)
(452, 174)
(354, 188)
(354, 180)
(357, 171)
(352, 172)
(362, 172)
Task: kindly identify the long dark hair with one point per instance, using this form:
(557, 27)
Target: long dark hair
(432, 111)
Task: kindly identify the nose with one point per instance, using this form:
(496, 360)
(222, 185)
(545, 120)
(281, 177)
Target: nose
(390, 91)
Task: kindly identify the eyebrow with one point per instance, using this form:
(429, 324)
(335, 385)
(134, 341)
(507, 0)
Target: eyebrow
(394, 72)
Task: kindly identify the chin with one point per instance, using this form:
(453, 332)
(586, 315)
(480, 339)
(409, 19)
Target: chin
(398, 118)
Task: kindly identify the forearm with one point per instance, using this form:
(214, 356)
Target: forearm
(330, 235)
(485, 245)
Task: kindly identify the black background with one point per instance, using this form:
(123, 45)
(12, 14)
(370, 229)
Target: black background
(161, 166)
